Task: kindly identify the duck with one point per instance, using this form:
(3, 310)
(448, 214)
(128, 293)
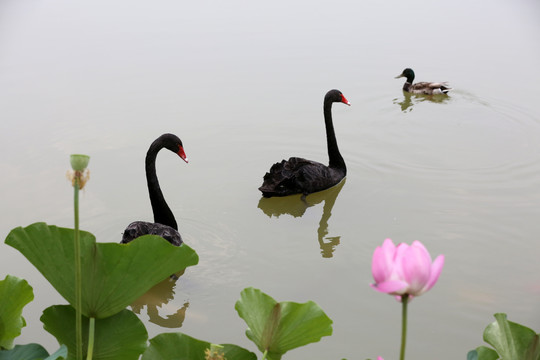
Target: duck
(301, 176)
(425, 88)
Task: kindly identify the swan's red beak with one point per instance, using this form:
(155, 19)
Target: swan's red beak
(182, 154)
(344, 100)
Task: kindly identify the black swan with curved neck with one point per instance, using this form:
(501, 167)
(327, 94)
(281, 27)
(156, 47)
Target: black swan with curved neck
(301, 176)
(164, 223)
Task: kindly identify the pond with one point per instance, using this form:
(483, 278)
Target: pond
(242, 84)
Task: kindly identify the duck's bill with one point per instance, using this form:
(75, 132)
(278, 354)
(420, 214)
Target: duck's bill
(399, 76)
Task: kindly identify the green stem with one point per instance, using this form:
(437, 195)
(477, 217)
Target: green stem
(404, 302)
(264, 355)
(91, 330)
(78, 286)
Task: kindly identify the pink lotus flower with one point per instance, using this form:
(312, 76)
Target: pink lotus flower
(403, 269)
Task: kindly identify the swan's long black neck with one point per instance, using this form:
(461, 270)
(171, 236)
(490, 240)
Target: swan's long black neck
(162, 212)
(336, 160)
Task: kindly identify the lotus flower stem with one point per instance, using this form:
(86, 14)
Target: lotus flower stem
(404, 302)
(91, 331)
(264, 355)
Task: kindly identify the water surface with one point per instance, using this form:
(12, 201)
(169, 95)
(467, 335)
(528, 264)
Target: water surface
(242, 84)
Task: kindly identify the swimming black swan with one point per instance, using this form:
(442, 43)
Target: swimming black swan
(301, 176)
(164, 223)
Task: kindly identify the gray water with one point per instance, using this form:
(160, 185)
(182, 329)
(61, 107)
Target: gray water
(242, 84)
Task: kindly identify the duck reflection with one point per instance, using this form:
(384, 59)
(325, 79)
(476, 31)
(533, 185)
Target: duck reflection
(158, 296)
(409, 100)
(296, 206)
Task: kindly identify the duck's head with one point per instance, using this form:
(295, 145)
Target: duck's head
(407, 73)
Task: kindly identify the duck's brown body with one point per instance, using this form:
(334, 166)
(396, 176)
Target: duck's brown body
(425, 88)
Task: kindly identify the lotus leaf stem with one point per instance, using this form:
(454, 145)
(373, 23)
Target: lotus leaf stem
(78, 285)
(91, 331)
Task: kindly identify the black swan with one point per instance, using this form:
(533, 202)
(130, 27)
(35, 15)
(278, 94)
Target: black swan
(301, 176)
(164, 223)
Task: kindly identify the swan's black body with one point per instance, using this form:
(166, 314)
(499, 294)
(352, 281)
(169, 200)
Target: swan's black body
(301, 176)
(164, 223)
(140, 228)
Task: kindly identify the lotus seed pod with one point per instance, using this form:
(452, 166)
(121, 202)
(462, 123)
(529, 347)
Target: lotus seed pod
(79, 162)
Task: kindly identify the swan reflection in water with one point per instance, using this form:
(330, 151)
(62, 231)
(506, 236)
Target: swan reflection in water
(157, 297)
(409, 100)
(296, 206)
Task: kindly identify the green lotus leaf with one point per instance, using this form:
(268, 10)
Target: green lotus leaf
(512, 340)
(118, 337)
(24, 352)
(60, 354)
(113, 275)
(279, 327)
(32, 352)
(482, 353)
(179, 346)
(15, 293)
